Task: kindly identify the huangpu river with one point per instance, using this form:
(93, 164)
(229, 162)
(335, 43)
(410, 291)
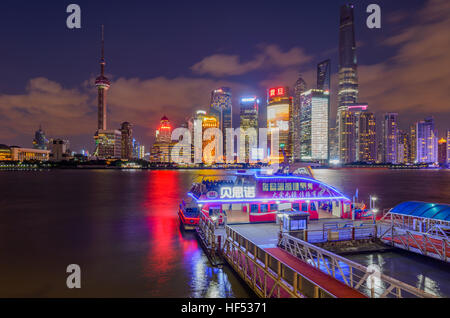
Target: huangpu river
(121, 227)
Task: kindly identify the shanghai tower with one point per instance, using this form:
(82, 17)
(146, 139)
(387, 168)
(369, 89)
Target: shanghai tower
(348, 78)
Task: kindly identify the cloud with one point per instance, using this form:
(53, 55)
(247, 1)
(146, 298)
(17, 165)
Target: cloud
(271, 55)
(415, 81)
(73, 112)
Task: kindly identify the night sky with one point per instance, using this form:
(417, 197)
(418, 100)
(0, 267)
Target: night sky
(165, 57)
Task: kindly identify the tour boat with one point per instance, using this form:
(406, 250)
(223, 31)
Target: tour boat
(254, 196)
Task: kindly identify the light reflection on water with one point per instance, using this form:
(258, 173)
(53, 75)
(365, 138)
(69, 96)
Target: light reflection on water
(122, 228)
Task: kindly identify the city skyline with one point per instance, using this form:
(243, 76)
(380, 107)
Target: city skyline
(268, 61)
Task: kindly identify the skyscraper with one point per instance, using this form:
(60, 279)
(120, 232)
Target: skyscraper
(299, 88)
(102, 83)
(448, 147)
(413, 143)
(403, 147)
(324, 75)
(221, 108)
(164, 131)
(40, 141)
(127, 140)
(442, 151)
(427, 141)
(279, 112)
(348, 121)
(249, 107)
(390, 137)
(314, 125)
(348, 78)
(348, 84)
(367, 137)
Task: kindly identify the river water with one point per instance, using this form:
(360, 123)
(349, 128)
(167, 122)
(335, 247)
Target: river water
(121, 228)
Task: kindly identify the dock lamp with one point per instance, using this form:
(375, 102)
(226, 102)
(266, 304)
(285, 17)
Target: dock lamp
(372, 206)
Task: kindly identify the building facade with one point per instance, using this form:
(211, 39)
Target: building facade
(108, 144)
(314, 119)
(127, 140)
(279, 112)
(390, 137)
(23, 154)
(40, 141)
(249, 108)
(221, 108)
(348, 78)
(348, 123)
(299, 89)
(427, 141)
(442, 151)
(59, 150)
(367, 138)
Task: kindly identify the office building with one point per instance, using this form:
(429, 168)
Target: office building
(40, 141)
(299, 89)
(427, 141)
(221, 108)
(442, 151)
(108, 144)
(59, 150)
(367, 138)
(348, 123)
(314, 115)
(249, 107)
(279, 112)
(127, 140)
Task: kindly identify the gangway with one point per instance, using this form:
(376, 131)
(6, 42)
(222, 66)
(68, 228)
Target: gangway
(366, 280)
(419, 227)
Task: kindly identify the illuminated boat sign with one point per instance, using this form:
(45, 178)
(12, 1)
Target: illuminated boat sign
(237, 192)
(280, 188)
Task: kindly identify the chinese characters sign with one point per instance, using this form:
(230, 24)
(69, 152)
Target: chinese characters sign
(237, 192)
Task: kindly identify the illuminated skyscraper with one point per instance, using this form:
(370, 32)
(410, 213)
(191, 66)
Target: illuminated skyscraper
(367, 137)
(348, 78)
(249, 107)
(127, 140)
(348, 121)
(40, 141)
(279, 112)
(448, 147)
(403, 147)
(413, 143)
(324, 75)
(299, 88)
(427, 141)
(442, 151)
(221, 108)
(314, 114)
(164, 131)
(390, 137)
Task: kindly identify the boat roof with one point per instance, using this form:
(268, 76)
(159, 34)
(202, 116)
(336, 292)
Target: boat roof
(435, 211)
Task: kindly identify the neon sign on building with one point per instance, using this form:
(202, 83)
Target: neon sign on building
(277, 91)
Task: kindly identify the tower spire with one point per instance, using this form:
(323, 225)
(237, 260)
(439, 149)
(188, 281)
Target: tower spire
(102, 60)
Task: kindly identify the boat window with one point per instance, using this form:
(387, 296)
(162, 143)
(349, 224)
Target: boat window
(264, 208)
(191, 212)
(273, 207)
(296, 206)
(288, 186)
(312, 207)
(253, 208)
(273, 186)
(305, 207)
(280, 186)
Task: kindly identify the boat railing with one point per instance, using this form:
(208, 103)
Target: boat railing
(368, 280)
(347, 233)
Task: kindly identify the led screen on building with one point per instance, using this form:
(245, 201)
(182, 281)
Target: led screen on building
(278, 117)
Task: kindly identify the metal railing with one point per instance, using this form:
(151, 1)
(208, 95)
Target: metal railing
(368, 281)
(265, 275)
(206, 232)
(436, 246)
(366, 231)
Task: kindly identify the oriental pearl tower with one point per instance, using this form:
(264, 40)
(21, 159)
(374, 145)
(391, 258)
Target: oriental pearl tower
(102, 83)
